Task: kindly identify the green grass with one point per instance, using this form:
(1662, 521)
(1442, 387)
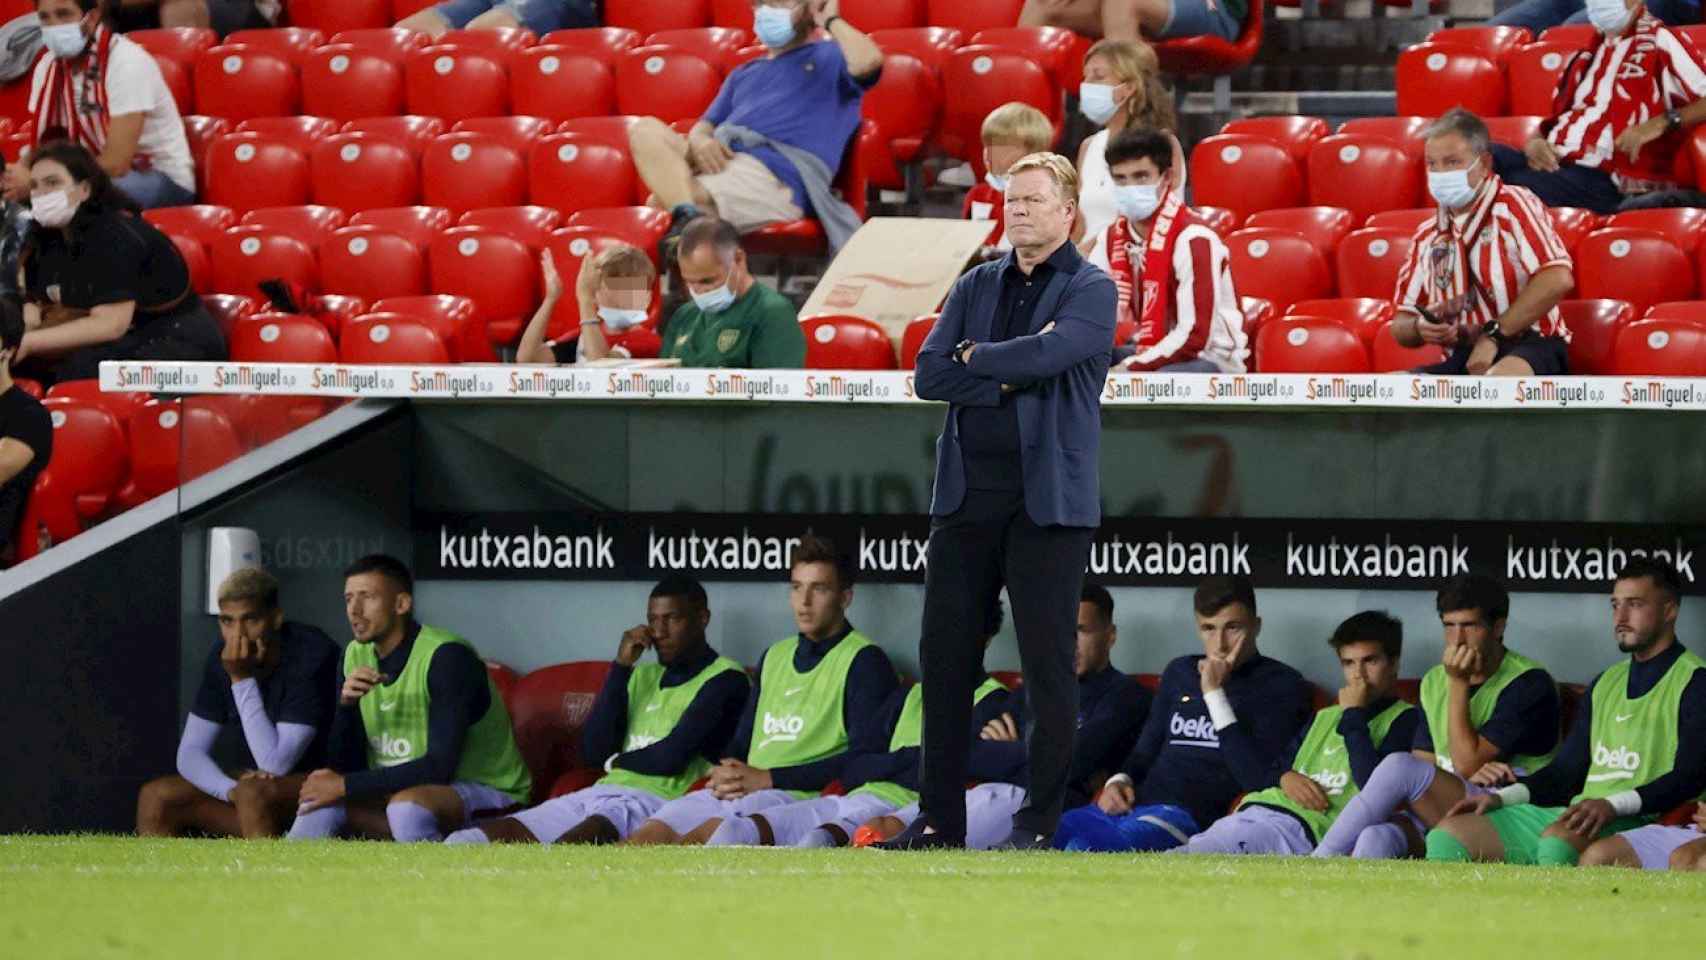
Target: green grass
(95, 897)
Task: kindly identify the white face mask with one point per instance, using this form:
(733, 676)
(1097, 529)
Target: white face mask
(52, 209)
(999, 183)
(1609, 16)
(66, 40)
(716, 301)
(1096, 101)
(618, 319)
(1451, 187)
(1137, 202)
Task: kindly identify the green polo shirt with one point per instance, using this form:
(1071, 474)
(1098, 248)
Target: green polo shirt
(760, 329)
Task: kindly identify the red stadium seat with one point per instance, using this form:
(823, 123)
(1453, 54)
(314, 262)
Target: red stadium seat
(1533, 73)
(1370, 259)
(1256, 310)
(179, 44)
(605, 43)
(1364, 316)
(1218, 219)
(1639, 266)
(1309, 346)
(912, 339)
(203, 221)
(201, 132)
(805, 237)
(571, 172)
(567, 248)
(245, 256)
(1661, 348)
(394, 42)
(549, 707)
(718, 46)
(503, 42)
(228, 309)
(347, 83)
(392, 338)
(120, 405)
(455, 84)
(418, 224)
(292, 43)
(503, 678)
(409, 130)
(1298, 134)
(454, 318)
(1389, 356)
(89, 459)
(976, 80)
(467, 171)
(282, 338)
(520, 133)
(496, 271)
(173, 442)
(1278, 265)
(932, 45)
(1513, 131)
(1058, 50)
(1364, 174)
(973, 16)
(1408, 221)
(1324, 227)
(1495, 43)
(242, 82)
(869, 15)
(1244, 174)
(196, 261)
(1682, 226)
(641, 227)
(531, 225)
(359, 171)
(560, 84)
(1578, 36)
(904, 105)
(372, 263)
(335, 310)
(607, 130)
(340, 18)
(837, 342)
(245, 171)
(1406, 130)
(310, 224)
(1594, 326)
(179, 81)
(299, 132)
(649, 16)
(1434, 77)
(1693, 311)
(666, 83)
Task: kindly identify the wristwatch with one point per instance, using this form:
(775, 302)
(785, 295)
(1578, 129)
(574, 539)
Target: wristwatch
(1491, 330)
(1673, 119)
(960, 350)
(829, 24)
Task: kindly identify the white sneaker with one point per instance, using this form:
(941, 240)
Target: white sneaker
(960, 176)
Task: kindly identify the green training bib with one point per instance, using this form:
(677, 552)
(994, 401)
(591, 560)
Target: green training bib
(1436, 694)
(1324, 758)
(799, 718)
(1634, 740)
(909, 732)
(654, 711)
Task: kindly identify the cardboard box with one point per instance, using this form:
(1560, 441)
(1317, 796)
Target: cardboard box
(896, 269)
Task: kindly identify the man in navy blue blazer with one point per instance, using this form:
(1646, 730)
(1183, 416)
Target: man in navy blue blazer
(1020, 354)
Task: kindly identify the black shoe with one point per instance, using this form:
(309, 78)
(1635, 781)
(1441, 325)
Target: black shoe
(1022, 839)
(679, 218)
(919, 837)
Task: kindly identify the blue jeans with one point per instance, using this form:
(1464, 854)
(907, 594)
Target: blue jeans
(1571, 185)
(1537, 15)
(540, 16)
(1151, 828)
(151, 189)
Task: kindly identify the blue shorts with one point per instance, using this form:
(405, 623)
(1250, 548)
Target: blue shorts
(1199, 18)
(540, 16)
(1152, 828)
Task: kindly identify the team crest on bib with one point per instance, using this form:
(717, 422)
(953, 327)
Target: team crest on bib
(726, 340)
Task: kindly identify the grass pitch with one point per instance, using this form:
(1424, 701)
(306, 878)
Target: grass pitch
(97, 897)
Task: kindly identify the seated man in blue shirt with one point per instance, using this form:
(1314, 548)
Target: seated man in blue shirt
(769, 146)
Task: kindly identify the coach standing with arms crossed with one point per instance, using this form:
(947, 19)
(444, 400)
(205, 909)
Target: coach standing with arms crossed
(1020, 355)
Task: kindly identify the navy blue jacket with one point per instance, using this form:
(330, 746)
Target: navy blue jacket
(1059, 377)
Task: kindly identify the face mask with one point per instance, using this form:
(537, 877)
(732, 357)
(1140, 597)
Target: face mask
(999, 183)
(774, 26)
(619, 320)
(1608, 16)
(716, 301)
(1096, 101)
(1137, 202)
(52, 209)
(65, 40)
(1451, 187)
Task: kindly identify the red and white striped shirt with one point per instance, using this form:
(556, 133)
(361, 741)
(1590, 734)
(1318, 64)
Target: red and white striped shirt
(1506, 237)
(1616, 84)
(1205, 320)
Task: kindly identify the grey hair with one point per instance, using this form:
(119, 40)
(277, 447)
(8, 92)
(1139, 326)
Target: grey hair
(1471, 128)
(720, 235)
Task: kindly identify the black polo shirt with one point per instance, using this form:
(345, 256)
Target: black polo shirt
(111, 256)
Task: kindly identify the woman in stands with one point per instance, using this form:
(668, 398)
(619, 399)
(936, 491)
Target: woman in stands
(100, 282)
(1122, 88)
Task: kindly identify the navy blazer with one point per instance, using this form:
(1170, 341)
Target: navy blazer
(1058, 376)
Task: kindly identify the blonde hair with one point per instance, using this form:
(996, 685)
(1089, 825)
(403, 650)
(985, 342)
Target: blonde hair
(1134, 62)
(1019, 125)
(250, 583)
(623, 260)
(1059, 169)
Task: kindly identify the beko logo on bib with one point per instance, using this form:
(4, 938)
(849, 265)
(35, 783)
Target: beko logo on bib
(784, 728)
(1195, 728)
(1332, 782)
(391, 749)
(1622, 758)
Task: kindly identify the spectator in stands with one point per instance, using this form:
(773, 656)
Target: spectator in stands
(100, 282)
(1333, 757)
(1130, 19)
(1541, 15)
(1619, 116)
(1122, 88)
(26, 434)
(222, 16)
(1221, 722)
(732, 320)
(1485, 275)
(1489, 714)
(817, 695)
(1636, 750)
(270, 680)
(613, 295)
(421, 744)
(768, 148)
(656, 728)
(1011, 131)
(539, 16)
(1172, 271)
(103, 92)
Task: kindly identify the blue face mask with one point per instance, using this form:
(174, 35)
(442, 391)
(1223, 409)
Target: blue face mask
(1451, 187)
(1137, 202)
(66, 40)
(716, 301)
(1096, 101)
(774, 26)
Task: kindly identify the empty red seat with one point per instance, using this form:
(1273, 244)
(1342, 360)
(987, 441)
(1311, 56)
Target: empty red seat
(245, 256)
(1513, 131)
(1682, 226)
(1324, 227)
(454, 318)
(932, 45)
(1407, 131)
(1638, 266)
(228, 309)
(912, 339)
(1245, 174)
(1389, 356)
(392, 338)
(334, 310)
(359, 171)
(666, 83)
(292, 43)
(607, 130)
(196, 261)
(519, 133)
(242, 82)
(1278, 265)
(1296, 133)
(570, 172)
(1578, 36)
(1058, 50)
(1364, 174)
(202, 221)
(340, 18)
(1594, 326)
(1218, 219)
(419, 224)
(869, 15)
(408, 130)
(1661, 348)
(904, 105)
(467, 171)
(179, 44)
(178, 80)
(89, 460)
(504, 42)
(395, 42)
(973, 16)
(173, 442)
(371, 263)
(310, 223)
(347, 82)
(605, 43)
(496, 271)
(1370, 260)
(718, 46)
(1362, 315)
(1496, 43)
(1257, 311)
(282, 338)
(246, 171)
(840, 342)
(647, 17)
(201, 132)
(548, 709)
(1533, 73)
(559, 84)
(299, 132)
(976, 80)
(1408, 221)
(454, 83)
(636, 226)
(1309, 346)
(531, 225)
(1434, 77)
